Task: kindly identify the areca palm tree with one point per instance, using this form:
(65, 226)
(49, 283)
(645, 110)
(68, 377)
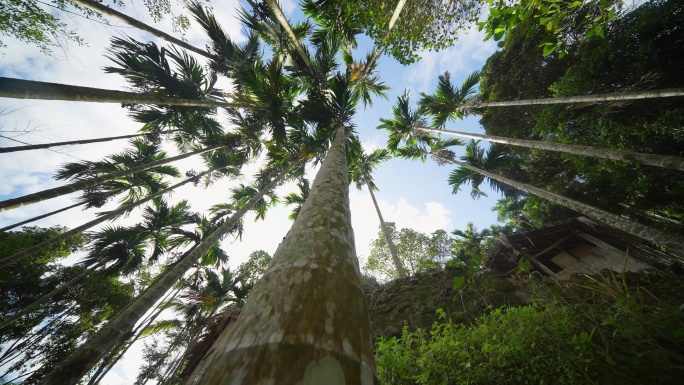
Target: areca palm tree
(95, 6)
(87, 355)
(94, 181)
(492, 159)
(361, 174)
(451, 102)
(75, 142)
(30, 89)
(404, 124)
(673, 243)
(664, 161)
(318, 252)
(110, 215)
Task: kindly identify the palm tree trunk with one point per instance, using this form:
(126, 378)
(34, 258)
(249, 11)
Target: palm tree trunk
(673, 243)
(112, 214)
(378, 47)
(667, 93)
(29, 89)
(40, 196)
(280, 16)
(388, 237)
(40, 217)
(36, 304)
(82, 360)
(95, 6)
(73, 142)
(118, 352)
(306, 320)
(673, 162)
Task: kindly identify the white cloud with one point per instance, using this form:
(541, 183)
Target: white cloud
(468, 49)
(288, 7)
(427, 219)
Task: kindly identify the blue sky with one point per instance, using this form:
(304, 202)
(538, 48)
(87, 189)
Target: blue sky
(412, 194)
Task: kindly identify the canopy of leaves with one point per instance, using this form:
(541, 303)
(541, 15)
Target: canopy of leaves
(640, 52)
(416, 251)
(422, 25)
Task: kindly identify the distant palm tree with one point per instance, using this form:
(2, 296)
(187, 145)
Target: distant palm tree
(361, 174)
(14, 203)
(84, 358)
(439, 151)
(29, 89)
(98, 7)
(493, 159)
(107, 216)
(664, 161)
(74, 142)
(451, 102)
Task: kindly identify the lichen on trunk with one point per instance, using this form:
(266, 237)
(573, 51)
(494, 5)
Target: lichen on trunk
(306, 321)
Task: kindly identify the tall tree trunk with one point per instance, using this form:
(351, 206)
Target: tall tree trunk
(618, 96)
(116, 353)
(67, 234)
(306, 320)
(59, 290)
(672, 242)
(378, 46)
(401, 271)
(73, 142)
(82, 360)
(280, 17)
(665, 161)
(40, 217)
(29, 89)
(14, 203)
(95, 6)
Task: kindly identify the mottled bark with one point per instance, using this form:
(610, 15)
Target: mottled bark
(29, 89)
(95, 6)
(280, 16)
(378, 46)
(401, 271)
(40, 217)
(306, 321)
(84, 358)
(673, 243)
(14, 203)
(72, 142)
(652, 94)
(68, 234)
(44, 299)
(665, 161)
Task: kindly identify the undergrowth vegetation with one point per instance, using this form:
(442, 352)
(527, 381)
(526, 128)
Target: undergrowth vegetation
(602, 331)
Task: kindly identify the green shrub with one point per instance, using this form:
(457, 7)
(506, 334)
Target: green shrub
(542, 343)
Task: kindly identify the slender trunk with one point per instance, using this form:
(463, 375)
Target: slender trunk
(673, 243)
(113, 214)
(29, 89)
(82, 360)
(72, 142)
(118, 352)
(59, 290)
(40, 217)
(306, 320)
(95, 6)
(378, 47)
(673, 162)
(401, 272)
(278, 13)
(667, 93)
(40, 196)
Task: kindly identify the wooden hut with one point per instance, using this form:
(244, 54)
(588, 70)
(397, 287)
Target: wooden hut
(575, 247)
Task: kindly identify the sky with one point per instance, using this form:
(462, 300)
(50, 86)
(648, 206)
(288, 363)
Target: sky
(413, 194)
